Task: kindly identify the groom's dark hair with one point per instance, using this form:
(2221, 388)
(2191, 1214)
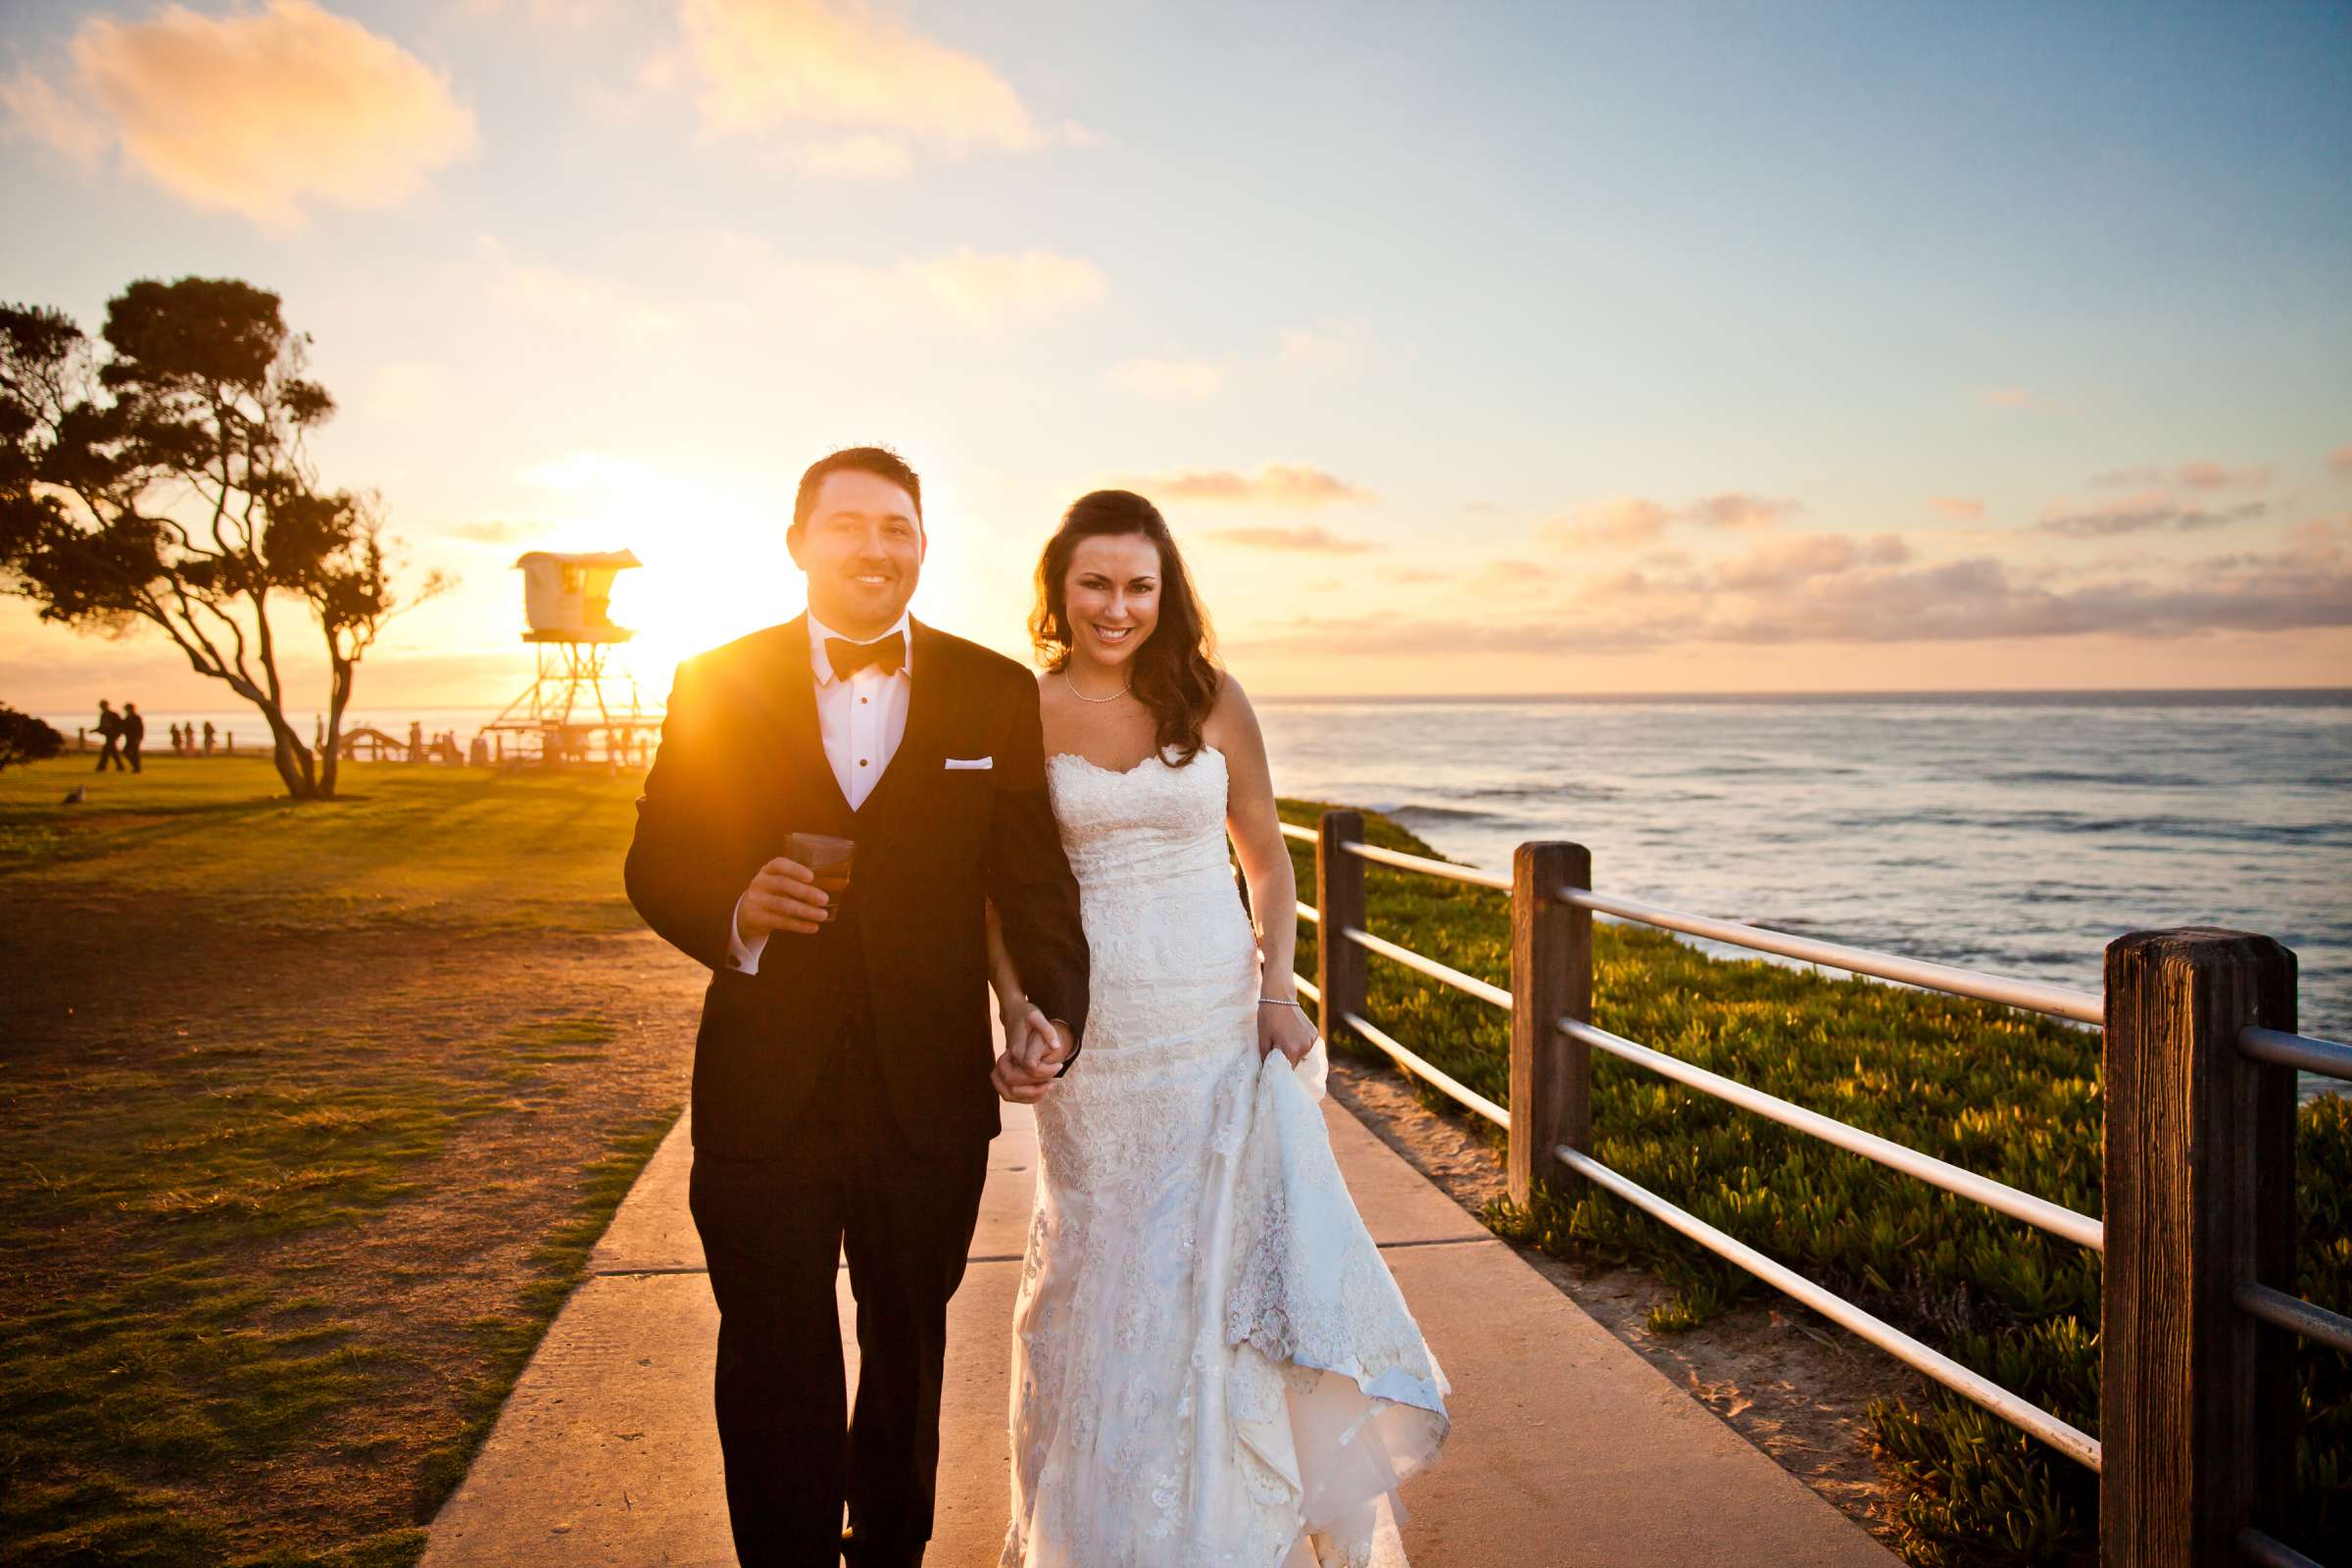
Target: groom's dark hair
(880, 461)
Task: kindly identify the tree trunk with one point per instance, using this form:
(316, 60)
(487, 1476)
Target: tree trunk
(338, 696)
(291, 758)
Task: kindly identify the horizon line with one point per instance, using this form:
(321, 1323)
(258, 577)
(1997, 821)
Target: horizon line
(1275, 698)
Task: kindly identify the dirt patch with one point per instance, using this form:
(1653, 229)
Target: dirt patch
(437, 1124)
(1793, 1385)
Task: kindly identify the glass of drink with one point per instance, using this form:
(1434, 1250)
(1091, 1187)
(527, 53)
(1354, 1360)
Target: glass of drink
(830, 858)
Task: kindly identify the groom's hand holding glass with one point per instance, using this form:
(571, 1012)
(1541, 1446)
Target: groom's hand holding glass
(795, 890)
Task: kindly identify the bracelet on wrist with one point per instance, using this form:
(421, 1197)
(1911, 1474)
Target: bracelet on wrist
(1278, 1001)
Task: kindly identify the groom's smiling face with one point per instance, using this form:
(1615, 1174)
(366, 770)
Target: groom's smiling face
(863, 549)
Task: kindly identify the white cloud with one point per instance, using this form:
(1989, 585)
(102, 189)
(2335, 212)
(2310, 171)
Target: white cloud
(838, 89)
(256, 113)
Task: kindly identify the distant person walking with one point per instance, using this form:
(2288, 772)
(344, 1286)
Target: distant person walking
(208, 737)
(110, 730)
(134, 734)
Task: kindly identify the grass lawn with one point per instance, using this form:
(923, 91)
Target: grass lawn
(311, 1116)
(2012, 1096)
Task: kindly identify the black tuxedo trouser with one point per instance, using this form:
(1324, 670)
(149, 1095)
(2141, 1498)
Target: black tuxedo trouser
(773, 1230)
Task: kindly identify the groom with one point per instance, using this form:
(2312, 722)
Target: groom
(842, 1073)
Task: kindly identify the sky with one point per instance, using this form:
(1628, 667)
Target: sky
(1468, 349)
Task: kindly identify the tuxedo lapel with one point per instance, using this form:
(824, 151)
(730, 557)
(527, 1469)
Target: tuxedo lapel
(783, 709)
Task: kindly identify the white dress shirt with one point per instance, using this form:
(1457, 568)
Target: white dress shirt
(861, 721)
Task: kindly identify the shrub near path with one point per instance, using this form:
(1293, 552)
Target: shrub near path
(2011, 1096)
(311, 1116)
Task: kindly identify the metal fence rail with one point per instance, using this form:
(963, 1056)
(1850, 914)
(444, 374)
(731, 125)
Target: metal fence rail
(1435, 1077)
(2294, 1314)
(1443, 869)
(2056, 1001)
(2074, 1443)
(2326, 1057)
(2258, 1548)
(1430, 967)
(2052, 1217)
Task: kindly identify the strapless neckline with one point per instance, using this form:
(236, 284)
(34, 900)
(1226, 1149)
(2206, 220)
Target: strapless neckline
(1137, 767)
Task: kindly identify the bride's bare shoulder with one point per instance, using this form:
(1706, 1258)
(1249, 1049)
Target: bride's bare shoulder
(1231, 722)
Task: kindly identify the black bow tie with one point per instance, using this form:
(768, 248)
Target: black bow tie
(887, 655)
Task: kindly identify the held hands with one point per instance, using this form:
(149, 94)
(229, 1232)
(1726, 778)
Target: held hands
(1283, 1028)
(1035, 1049)
(783, 896)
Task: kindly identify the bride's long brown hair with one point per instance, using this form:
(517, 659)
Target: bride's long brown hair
(1175, 672)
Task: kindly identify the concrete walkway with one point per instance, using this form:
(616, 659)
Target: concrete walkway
(1567, 1447)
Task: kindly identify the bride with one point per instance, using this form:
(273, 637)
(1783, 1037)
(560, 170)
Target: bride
(1211, 1363)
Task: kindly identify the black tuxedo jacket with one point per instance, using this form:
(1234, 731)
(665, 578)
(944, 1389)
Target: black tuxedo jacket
(741, 766)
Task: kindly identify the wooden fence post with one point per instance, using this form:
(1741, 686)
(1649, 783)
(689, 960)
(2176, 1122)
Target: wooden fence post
(1551, 978)
(2197, 1408)
(1339, 898)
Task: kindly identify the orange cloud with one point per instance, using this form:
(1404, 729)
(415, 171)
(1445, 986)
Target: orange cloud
(259, 114)
(2341, 460)
(843, 92)
(1310, 541)
(1618, 520)
(1865, 592)
(1278, 484)
(1960, 509)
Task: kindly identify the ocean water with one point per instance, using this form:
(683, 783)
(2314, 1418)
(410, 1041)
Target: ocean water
(2016, 834)
(2012, 833)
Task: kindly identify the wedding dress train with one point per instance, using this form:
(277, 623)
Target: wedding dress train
(1211, 1362)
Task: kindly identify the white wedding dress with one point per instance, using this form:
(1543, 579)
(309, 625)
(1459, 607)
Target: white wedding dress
(1211, 1362)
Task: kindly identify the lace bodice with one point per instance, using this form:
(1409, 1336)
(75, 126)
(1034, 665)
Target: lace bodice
(1201, 1310)
(1150, 824)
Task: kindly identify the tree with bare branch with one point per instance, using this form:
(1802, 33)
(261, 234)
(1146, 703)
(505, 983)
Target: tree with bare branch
(160, 476)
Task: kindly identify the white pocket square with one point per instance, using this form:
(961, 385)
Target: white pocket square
(971, 761)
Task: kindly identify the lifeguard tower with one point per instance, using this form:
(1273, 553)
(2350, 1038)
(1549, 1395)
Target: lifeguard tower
(581, 707)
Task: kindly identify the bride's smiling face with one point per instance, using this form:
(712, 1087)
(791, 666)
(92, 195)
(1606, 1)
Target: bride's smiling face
(1111, 597)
